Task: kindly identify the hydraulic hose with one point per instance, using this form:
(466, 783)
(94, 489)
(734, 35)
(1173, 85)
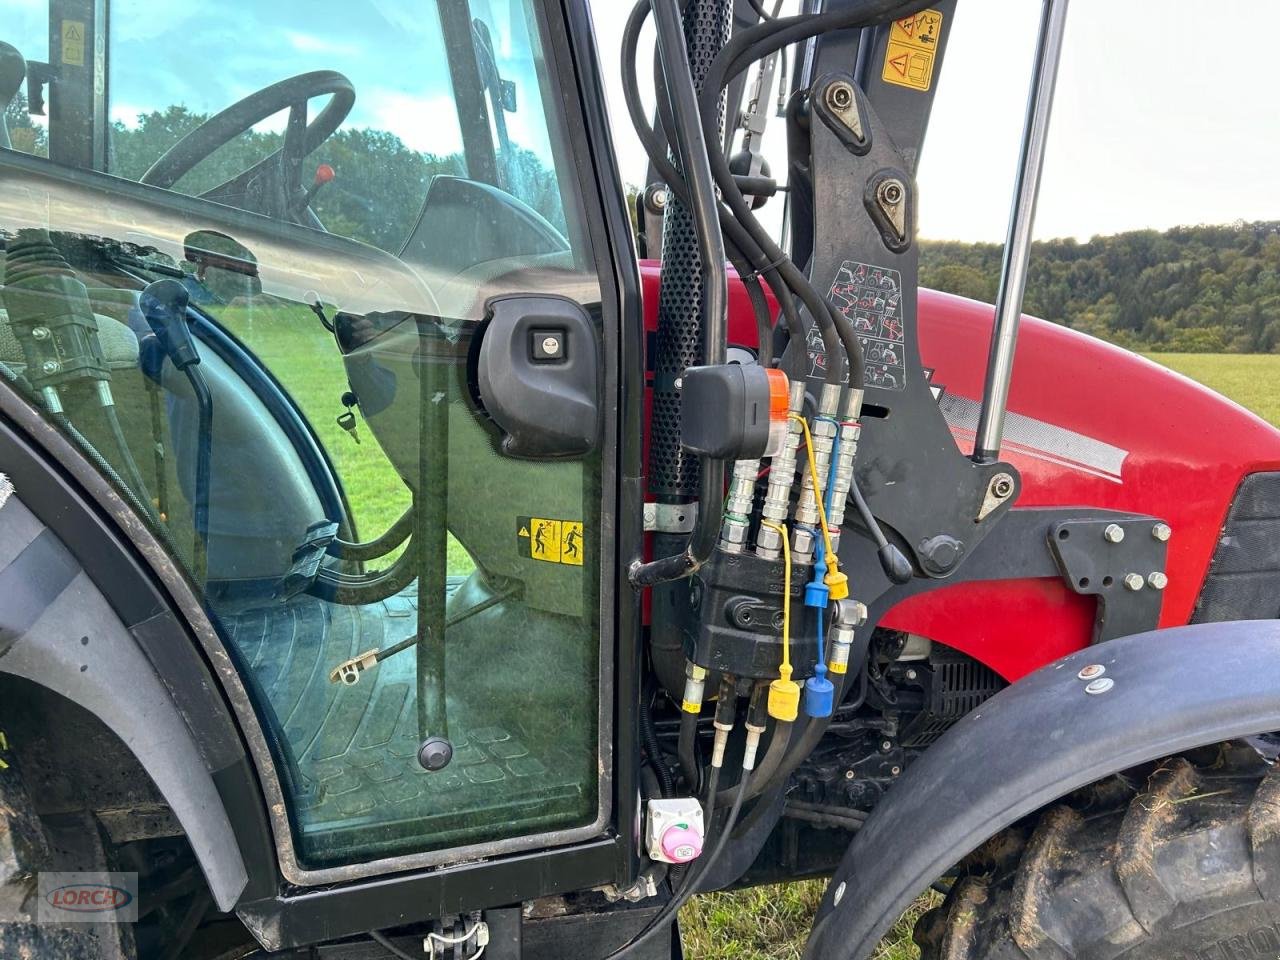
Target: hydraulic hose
(691, 148)
(736, 56)
(395, 535)
(688, 749)
(364, 588)
(126, 455)
(649, 737)
(656, 147)
(204, 458)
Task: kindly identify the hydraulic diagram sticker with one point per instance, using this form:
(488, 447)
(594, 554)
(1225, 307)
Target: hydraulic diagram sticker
(551, 541)
(871, 297)
(912, 47)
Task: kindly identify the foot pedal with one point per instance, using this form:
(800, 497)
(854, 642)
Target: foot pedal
(306, 560)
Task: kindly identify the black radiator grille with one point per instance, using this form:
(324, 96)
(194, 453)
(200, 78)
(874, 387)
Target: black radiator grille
(1244, 577)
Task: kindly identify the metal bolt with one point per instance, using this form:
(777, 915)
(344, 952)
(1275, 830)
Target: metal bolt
(1002, 485)
(891, 191)
(839, 895)
(839, 95)
(1092, 671)
(50, 366)
(679, 383)
(1162, 532)
(886, 746)
(659, 198)
(1157, 580)
(551, 345)
(1114, 533)
(40, 333)
(1101, 685)
(895, 770)
(911, 674)
(1133, 581)
(849, 774)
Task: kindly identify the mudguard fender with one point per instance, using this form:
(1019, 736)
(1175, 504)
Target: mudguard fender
(1038, 740)
(58, 630)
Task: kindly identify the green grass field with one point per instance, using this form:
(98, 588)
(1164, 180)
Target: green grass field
(766, 923)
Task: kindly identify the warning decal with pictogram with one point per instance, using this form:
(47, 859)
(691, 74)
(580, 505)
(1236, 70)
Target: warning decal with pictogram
(911, 50)
(551, 541)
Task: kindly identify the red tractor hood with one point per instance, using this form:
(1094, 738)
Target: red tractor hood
(1089, 424)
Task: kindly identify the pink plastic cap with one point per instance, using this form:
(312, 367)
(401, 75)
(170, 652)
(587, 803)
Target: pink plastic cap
(681, 844)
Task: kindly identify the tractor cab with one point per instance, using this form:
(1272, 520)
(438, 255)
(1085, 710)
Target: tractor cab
(311, 286)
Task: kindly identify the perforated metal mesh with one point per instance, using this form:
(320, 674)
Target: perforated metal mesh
(679, 341)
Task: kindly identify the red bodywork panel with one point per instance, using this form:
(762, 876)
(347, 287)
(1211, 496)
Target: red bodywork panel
(1159, 444)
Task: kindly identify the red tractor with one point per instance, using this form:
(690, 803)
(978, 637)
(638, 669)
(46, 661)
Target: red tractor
(393, 563)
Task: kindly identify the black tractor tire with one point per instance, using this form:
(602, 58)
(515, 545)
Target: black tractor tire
(30, 845)
(1186, 868)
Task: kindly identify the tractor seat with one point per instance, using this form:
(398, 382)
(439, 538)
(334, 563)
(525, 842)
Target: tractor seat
(119, 345)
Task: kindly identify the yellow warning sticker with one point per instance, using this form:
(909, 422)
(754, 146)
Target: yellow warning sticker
(551, 541)
(912, 48)
(73, 43)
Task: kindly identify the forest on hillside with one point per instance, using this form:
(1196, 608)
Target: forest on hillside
(1187, 290)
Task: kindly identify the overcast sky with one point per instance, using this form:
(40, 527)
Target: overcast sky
(1163, 117)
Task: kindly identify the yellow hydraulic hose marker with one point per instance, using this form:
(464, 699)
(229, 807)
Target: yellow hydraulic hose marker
(784, 693)
(836, 581)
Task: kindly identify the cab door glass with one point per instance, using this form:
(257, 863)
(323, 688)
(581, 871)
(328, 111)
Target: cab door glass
(248, 251)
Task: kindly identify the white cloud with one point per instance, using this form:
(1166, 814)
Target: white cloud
(428, 124)
(309, 43)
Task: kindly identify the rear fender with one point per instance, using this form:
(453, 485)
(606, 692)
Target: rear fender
(58, 630)
(1038, 740)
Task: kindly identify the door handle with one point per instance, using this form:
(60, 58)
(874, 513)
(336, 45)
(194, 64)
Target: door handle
(537, 376)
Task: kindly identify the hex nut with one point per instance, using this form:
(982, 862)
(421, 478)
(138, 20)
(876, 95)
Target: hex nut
(1114, 533)
(1157, 580)
(1162, 532)
(1133, 581)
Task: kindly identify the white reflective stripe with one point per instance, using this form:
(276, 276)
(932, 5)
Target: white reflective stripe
(1036, 438)
(6, 489)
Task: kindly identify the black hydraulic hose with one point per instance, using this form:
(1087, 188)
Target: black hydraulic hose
(655, 146)
(657, 759)
(395, 535)
(823, 818)
(95, 457)
(204, 464)
(768, 765)
(687, 889)
(737, 55)
(692, 150)
(126, 455)
(381, 940)
(688, 750)
(364, 588)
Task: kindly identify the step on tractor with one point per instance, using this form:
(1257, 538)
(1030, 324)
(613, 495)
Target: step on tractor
(415, 544)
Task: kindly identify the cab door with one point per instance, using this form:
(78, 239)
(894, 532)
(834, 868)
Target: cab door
(346, 278)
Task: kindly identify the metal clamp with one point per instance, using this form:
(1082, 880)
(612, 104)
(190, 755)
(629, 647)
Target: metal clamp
(670, 517)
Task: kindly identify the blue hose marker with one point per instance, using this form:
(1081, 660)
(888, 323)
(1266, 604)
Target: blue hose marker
(819, 692)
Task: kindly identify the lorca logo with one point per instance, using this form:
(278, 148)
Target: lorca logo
(89, 898)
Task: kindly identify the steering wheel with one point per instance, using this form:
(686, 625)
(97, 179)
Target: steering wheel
(274, 185)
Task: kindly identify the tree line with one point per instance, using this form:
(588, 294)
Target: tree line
(379, 185)
(1187, 290)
